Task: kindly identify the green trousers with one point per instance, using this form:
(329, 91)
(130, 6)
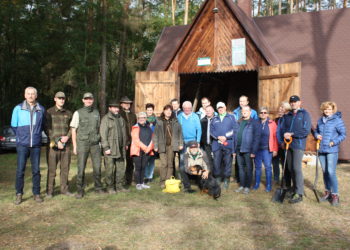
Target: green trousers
(83, 152)
(115, 172)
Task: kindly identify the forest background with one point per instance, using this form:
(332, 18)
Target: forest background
(94, 45)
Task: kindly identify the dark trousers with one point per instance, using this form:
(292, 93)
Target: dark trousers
(140, 165)
(129, 168)
(245, 165)
(207, 150)
(276, 161)
(23, 153)
(222, 163)
(236, 170)
(294, 162)
(58, 156)
(166, 164)
(83, 153)
(115, 172)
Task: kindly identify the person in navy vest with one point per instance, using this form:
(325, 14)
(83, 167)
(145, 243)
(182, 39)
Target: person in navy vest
(331, 131)
(296, 126)
(27, 122)
(223, 131)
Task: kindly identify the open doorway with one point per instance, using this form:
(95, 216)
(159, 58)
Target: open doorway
(225, 86)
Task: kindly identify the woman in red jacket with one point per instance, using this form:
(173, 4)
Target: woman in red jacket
(268, 147)
(141, 148)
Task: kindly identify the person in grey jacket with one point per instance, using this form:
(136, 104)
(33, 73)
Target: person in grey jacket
(331, 132)
(167, 140)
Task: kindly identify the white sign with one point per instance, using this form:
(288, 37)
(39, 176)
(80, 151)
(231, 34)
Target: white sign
(203, 61)
(239, 52)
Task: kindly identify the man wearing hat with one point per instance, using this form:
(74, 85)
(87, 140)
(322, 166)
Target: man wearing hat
(296, 126)
(130, 120)
(58, 130)
(113, 140)
(85, 126)
(223, 131)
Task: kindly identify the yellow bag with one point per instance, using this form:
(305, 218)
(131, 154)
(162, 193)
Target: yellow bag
(172, 186)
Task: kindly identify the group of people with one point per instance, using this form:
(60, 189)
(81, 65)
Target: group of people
(131, 142)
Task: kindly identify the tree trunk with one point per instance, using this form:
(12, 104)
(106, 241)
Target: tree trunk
(259, 7)
(279, 7)
(102, 87)
(186, 12)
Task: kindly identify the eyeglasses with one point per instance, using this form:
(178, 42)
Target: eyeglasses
(263, 113)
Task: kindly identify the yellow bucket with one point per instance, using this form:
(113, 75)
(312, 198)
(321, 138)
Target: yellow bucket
(172, 186)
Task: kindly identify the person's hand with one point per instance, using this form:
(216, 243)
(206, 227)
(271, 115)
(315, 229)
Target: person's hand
(222, 138)
(287, 135)
(60, 145)
(331, 144)
(181, 147)
(108, 152)
(75, 150)
(147, 151)
(319, 137)
(205, 175)
(252, 155)
(156, 150)
(274, 153)
(64, 139)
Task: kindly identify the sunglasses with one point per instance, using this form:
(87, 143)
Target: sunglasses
(87, 98)
(62, 98)
(263, 112)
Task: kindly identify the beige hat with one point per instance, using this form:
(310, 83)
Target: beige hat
(88, 95)
(220, 105)
(60, 94)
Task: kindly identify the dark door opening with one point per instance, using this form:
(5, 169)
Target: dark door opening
(226, 87)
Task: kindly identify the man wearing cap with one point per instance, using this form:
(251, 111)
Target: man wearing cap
(57, 129)
(113, 140)
(130, 120)
(85, 126)
(223, 131)
(296, 126)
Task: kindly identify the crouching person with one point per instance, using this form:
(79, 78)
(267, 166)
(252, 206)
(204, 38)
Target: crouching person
(194, 156)
(141, 148)
(113, 140)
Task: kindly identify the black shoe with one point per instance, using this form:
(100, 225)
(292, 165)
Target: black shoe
(296, 198)
(289, 194)
(327, 196)
(38, 199)
(189, 190)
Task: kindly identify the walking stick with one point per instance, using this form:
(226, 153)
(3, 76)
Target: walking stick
(280, 193)
(314, 188)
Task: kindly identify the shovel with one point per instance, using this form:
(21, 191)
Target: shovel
(280, 193)
(314, 188)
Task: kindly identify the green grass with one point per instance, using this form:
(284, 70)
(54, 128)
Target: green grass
(150, 219)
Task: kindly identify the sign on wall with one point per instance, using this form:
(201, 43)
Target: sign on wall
(238, 52)
(203, 61)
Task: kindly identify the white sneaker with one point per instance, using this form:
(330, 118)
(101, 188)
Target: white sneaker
(139, 186)
(145, 186)
(246, 191)
(238, 190)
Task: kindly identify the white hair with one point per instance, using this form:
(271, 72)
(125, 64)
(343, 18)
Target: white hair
(187, 103)
(246, 107)
(31, 88)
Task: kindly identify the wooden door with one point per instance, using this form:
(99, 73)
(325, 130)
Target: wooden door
(277, 83)
(157, 87)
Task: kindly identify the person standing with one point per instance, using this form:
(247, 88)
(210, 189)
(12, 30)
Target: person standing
(85, 126)
(296, 125)
(223, 131)
(331, 131)
(248, 137)
(175, 103)
(167, 140)
(141, 148)
(206, 139)
(27, 122)
(152, 121)
(113, 141)
(58, 130)
(191, 131)
(205, 103)
(130, 120)
(268, 147)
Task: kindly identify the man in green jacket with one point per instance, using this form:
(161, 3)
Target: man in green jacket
(113, 140)
(85, 126)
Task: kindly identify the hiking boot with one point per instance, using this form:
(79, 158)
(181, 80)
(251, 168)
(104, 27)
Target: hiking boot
(139, 186)
(289, 194)
(79, 195)
(240, 189)
(335, 200)
(18, 199)
(49, 196)
(144, 186)
(111, 191)
(296, 198)
(226, 183)
(246, 191)
(38, 199)
(162, 186)
(326, 197)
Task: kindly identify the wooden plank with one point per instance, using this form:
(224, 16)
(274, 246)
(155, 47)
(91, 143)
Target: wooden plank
(278, 76)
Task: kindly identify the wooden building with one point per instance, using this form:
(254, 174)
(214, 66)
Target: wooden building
(225, 53)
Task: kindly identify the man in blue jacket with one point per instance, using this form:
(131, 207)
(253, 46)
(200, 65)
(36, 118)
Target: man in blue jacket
(248, 137)
(244, 101)
(223, 131)
(296, 125)
(27, 122)
(191, 131)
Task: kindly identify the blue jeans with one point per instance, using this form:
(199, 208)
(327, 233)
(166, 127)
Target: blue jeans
(23, 153)
(222, 163)
(263, 156)
(329, 166)
(150, 167)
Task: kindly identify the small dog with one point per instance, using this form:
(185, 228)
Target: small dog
(209, 185)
